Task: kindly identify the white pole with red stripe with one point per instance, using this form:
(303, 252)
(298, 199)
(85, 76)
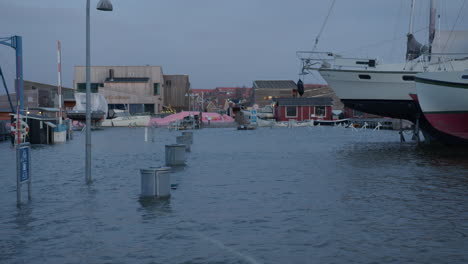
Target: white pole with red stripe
(59, 63)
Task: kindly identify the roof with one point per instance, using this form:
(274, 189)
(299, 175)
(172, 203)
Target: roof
(282, 84)
(202, 90)
(311, 86)
(227, 89)
(127, 79)
(304, 101)
(30, 85)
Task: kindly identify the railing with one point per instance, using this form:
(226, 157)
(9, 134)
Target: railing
(312, 61)
(329, 60)
(442, 61)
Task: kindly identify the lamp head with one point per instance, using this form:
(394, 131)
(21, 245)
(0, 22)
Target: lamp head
(104, 5)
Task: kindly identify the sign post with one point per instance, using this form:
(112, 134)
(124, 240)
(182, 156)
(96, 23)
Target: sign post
(23, 169)
(253, 116)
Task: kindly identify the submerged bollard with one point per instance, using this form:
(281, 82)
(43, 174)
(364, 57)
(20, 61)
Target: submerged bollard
(155, 181)
(189, 135)
(175, 155)
(148, 182)
(163, 182)
(185, 141)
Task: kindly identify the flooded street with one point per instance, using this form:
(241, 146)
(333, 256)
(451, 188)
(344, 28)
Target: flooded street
(302, 195)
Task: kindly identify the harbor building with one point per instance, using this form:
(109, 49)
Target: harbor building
(37, 95)
(263, 92)
(175, 89)
(303, 109)
(136, 89)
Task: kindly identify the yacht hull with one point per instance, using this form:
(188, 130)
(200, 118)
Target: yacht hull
(383, 93)
(443, 98)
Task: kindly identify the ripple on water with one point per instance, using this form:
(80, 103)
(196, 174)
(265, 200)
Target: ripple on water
(312, 195)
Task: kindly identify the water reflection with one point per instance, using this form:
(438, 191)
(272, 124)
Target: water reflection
(154, 207)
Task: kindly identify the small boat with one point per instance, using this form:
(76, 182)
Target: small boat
(98, 108)
(443, 98)
(331, 122)
(125, 119)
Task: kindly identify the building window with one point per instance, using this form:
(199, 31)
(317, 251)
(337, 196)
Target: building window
(156, 89)
(81, 87)
(168, 83)
(136, 108)
(320, 111)
(291, 111)
(149, 108)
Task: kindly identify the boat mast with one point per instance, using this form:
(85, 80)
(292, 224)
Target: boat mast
(59, 64)
(410, 30)
(432, 21)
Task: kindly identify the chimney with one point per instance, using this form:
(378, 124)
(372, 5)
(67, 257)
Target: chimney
(111, 75)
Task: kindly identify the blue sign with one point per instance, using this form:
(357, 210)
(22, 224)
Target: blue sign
(23, 160)
(253, 116)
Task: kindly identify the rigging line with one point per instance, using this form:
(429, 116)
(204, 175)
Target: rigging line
(323, 25)
(395, 33)
(6, 89)
(381, 42)
(454, 24)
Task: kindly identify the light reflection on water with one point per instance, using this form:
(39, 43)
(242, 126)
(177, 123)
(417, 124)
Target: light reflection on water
(303, 195)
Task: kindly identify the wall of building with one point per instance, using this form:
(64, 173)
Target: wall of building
(133, 94)
(264, 97)
(304, 113)
(175, 88)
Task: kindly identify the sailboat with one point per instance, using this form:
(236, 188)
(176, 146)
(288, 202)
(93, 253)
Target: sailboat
(443, 97)
(384, 89)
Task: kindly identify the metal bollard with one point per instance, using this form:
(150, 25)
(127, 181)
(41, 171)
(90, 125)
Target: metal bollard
(185, 141)
(175, 155)
(148, 182)
(189, 135)
(163, 182)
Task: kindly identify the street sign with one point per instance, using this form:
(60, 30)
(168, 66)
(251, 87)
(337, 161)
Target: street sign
(24, 163)
(23, 169)
(253, 116)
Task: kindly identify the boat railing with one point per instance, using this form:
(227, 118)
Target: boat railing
(442, 61)
(312, 60)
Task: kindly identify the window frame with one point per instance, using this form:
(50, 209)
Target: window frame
(156, 89)
(288, 107)
(324, 110)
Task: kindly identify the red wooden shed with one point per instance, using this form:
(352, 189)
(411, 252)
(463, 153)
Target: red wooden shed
(302, 109)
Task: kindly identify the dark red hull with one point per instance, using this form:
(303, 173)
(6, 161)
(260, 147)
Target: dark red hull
(455, 124)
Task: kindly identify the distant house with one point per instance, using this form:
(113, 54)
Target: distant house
(37, 95)
(301, 109)
(263, 92)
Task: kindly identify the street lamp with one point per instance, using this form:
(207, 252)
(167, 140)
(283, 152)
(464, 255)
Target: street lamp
(189, 106)
(103, 5)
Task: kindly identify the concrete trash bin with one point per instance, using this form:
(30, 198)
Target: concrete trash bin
(184, 140)
(148, 182)
(175, 155)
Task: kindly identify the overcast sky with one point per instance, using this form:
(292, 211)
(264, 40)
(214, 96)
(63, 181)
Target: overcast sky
(216, 42)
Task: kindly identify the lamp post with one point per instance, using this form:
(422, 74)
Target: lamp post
(103, 5)
(189, 101)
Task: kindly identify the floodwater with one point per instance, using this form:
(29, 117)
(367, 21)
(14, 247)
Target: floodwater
(301, 195)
